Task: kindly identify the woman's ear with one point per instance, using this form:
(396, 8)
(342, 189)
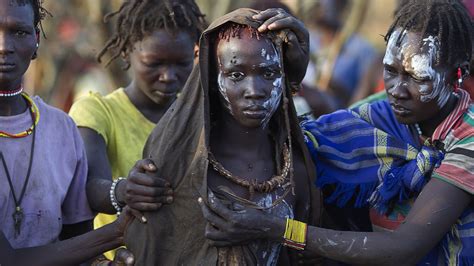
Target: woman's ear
(35, 54)
(196, 54)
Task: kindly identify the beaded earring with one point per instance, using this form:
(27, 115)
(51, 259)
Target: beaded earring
(458, 83)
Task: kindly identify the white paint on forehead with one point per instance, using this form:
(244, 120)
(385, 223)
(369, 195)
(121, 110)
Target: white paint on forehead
(392, 42)
(421, 65)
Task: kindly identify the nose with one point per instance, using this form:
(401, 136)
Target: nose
(255, 89)
(5, 44)
(168, 75)
(399, 90)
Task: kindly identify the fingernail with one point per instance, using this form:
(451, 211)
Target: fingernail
(129, 260)
(169, 192)
(167, 185)
(169, 199)
(151, 166)
(199, 200)
(262, 28)
(144, 220)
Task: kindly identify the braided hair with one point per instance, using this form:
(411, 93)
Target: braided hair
(137, 18)
(447, 19)
(39, 12)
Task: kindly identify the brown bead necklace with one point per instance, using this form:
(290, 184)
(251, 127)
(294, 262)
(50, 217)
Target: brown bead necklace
(266, 186)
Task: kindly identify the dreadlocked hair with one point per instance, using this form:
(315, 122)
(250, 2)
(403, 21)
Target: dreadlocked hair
(234, 30)
(447, 19)
(39, 12)
(137, 18)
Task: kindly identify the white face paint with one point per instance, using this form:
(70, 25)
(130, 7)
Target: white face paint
(272, 103)
(420, 65)
(222, 87)
(275, 96)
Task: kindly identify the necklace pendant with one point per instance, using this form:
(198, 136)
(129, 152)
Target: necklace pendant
(17, 219)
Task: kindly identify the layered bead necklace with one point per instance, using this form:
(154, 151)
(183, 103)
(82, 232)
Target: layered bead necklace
(35, 116)
(18, 213)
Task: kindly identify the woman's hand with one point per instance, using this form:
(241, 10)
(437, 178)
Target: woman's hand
(297, 40)
(228, 227)
(143, 190)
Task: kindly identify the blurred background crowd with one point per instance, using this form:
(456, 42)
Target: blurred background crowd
(346, 43)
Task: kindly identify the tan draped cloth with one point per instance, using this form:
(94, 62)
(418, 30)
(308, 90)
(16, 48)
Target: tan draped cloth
(178, 145)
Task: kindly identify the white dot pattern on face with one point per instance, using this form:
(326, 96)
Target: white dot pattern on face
(275, 96)
(421, 64)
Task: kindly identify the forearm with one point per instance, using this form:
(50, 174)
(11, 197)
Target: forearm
(367, 248)
(98, 194)
(69, 252)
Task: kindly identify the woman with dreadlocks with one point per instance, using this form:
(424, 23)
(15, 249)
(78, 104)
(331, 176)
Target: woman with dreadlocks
(410, 157)
(232, 134)
(158, 41)
(43, 166)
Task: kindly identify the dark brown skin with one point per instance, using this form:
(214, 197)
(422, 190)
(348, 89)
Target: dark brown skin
(72, 251)
(18, 40)
(297, 44)
(296, 55)
(160, 64)
(434, 212)
(238, 141)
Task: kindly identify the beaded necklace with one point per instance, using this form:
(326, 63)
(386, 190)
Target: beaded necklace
(35, 116)
(11, 93)
(254, 185)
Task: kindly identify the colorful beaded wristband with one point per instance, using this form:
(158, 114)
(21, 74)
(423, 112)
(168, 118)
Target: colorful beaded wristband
(113, 196)
(295, 234)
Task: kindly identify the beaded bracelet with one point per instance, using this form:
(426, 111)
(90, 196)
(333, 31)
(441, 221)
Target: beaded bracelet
(295, 234)
(113, 197)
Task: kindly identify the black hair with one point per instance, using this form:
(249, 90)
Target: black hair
(39, 12)
(137, 18)
(449, 20)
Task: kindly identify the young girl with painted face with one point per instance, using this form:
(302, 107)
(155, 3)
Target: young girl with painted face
(232, 135)
(157, 39)
(410, 157)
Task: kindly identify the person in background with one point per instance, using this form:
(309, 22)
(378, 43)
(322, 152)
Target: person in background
(158, 41)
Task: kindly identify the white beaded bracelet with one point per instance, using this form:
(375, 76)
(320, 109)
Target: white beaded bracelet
(113, 197)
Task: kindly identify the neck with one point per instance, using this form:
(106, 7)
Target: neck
(12, 105)
(151, 110)
(428, 127)
(237, 138)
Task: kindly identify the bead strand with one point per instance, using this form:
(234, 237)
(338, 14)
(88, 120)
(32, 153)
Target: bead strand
(113, 197)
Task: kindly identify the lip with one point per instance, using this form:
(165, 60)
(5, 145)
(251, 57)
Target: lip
(400, 110)
(6, 67)
(255, 112)
(170, 93)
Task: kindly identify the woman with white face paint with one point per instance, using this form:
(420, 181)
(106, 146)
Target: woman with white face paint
(410, 157)
(234, 137)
